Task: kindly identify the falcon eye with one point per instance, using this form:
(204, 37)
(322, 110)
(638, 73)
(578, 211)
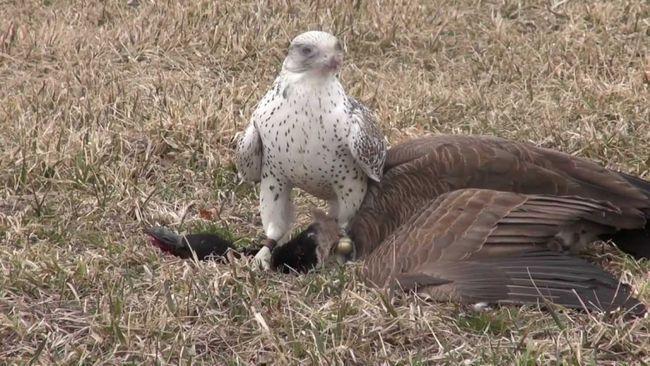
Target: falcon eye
(307, 50)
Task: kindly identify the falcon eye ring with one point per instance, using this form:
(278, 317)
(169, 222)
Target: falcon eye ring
(307, 50)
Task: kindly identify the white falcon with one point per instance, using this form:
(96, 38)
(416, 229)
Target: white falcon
(307, 133)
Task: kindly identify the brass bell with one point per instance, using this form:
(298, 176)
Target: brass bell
(344, 246)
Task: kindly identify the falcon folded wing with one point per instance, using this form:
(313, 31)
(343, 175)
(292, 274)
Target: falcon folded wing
(248, 158)
(365, 141)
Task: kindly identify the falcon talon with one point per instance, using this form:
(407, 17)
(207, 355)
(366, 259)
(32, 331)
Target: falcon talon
(262, 259)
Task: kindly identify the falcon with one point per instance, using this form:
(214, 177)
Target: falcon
(306, 132)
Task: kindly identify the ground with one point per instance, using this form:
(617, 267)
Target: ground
(118, 115)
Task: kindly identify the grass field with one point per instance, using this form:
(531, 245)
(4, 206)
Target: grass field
(115, 117)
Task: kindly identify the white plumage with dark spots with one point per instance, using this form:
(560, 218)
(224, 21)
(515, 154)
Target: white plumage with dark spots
(307, 133)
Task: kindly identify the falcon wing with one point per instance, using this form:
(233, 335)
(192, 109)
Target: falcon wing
(248, 157)
(366, 141)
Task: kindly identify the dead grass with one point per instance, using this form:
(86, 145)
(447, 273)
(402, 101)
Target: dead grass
(115, 117)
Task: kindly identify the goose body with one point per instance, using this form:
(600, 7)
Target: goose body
(481, 219)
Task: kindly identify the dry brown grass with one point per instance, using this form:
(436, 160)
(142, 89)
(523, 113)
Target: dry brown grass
(115, 117)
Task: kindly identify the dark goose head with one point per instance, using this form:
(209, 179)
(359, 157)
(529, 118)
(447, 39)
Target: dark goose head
(309, 249)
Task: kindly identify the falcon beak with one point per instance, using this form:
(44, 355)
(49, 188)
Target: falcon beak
(334, 62)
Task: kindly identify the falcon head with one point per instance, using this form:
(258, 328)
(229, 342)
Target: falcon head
(315, 52)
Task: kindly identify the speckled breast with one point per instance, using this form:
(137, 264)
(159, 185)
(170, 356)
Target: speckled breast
(305, 142)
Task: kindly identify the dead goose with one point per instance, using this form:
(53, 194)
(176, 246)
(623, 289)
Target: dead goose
(481, 246)
(421, 227)
(472, 246)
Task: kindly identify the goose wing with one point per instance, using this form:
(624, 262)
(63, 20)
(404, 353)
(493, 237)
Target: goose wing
(491, 246)
(421, 169)
(495, 163)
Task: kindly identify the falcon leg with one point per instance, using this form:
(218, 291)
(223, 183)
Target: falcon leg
(346, 205)
(277, 215)
(349, 197)
(333, 205)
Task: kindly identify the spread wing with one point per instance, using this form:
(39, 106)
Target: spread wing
(421, 169)
(495, 163)
(248, 157)
(489, 246)
(366, 141)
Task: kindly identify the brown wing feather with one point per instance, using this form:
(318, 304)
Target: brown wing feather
(531, 277)
(528, 168)
(464, 246)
